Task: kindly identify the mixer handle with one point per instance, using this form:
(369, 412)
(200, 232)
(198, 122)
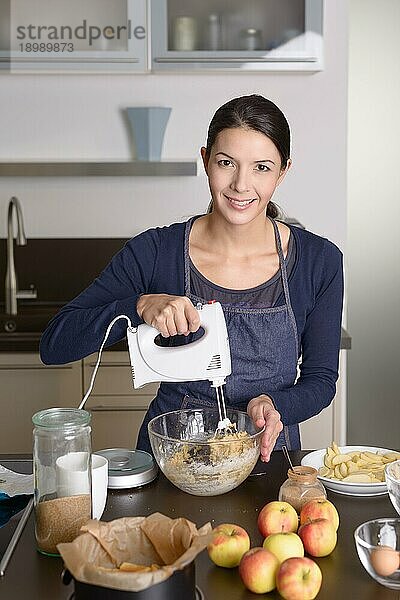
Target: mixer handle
(208, 319)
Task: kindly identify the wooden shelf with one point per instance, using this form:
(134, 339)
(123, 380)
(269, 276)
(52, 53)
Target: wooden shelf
(164, 168)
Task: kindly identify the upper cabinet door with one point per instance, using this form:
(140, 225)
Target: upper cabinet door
(84, 35)
(233, 34)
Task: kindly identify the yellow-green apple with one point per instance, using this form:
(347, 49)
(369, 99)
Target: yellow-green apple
(258, 569)
(299, 579)
(318, 537)
(284, 545)
(319, 509)
(228, 544)
(277, 517)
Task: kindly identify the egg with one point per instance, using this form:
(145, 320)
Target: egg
(384, 560)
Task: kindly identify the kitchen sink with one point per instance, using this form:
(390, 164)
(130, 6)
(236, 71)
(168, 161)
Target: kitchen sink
(31, 320)
(22, 332)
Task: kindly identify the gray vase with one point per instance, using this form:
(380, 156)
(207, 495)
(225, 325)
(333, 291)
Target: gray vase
(148, 124)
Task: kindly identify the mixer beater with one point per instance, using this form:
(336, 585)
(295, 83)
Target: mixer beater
(225, 426)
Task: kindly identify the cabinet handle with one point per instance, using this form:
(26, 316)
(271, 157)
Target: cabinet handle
(116, 408)
(50, 59)
(231, 59)
(106, 364)
(23, 367)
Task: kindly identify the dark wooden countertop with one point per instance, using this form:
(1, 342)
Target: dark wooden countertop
(33, 576)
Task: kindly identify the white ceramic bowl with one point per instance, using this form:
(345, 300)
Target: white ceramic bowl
(316, 459)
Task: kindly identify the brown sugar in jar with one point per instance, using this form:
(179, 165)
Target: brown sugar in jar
(301, 486)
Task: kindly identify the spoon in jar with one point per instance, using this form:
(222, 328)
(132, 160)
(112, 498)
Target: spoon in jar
(286, 453)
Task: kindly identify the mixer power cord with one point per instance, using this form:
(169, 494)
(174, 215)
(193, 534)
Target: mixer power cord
(111, 325)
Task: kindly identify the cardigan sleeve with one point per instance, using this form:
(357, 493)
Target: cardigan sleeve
(78, 329)
(320, 344)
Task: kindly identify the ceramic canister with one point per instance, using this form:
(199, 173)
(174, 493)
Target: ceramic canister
(185, 34)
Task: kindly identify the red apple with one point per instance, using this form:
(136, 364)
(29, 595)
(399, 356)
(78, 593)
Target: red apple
(284, 545)
(258, 569)
(299, 579)
(277, 517)
(228, 544)
(319, 537)
(319, 509)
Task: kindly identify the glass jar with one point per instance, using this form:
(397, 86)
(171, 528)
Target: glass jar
(62, 475)
(301, 486)
(185, 34)
(250, 39)
(213, 37)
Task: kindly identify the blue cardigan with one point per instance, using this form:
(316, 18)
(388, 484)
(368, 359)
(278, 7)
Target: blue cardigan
(153, 263)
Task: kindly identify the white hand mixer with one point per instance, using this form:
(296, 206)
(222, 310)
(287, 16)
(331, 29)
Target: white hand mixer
(205, 358)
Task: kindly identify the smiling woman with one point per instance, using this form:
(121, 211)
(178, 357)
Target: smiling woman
(241, 186)
(280, 287)
(271, 135)
(244, 179)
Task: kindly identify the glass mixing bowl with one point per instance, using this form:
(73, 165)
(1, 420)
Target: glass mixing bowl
(197, 461)
(369, 537)
(392, 476)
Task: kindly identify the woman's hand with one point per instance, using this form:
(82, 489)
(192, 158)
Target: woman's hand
(170, 315)
(263, 412)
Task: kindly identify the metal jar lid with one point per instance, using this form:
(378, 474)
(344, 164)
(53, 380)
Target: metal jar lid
(128, 468)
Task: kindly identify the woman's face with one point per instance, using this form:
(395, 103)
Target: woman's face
(244, 168)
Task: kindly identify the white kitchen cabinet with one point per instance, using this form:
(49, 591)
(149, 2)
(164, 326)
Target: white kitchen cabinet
(142, 35)
(27, 386)
(236, 35)
(330, 425)
(85, 35)
(117, 408)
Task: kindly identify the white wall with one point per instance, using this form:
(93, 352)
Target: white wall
(373, 248)
(79, 116)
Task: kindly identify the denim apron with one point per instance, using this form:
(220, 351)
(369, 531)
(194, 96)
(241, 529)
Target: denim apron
(264, 352)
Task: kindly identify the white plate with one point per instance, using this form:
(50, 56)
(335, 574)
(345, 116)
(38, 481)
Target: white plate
(316, 459)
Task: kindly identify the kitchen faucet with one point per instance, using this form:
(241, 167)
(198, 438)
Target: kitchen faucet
(11, 287)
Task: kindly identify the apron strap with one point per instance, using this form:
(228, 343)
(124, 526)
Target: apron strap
(282, 262)
(285, 282)
(186, 257)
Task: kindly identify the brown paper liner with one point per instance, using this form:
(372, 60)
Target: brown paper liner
(95, 555)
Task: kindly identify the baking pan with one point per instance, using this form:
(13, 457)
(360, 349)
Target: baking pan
(181, 584)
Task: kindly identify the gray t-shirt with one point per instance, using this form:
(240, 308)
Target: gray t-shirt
(264, 295)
